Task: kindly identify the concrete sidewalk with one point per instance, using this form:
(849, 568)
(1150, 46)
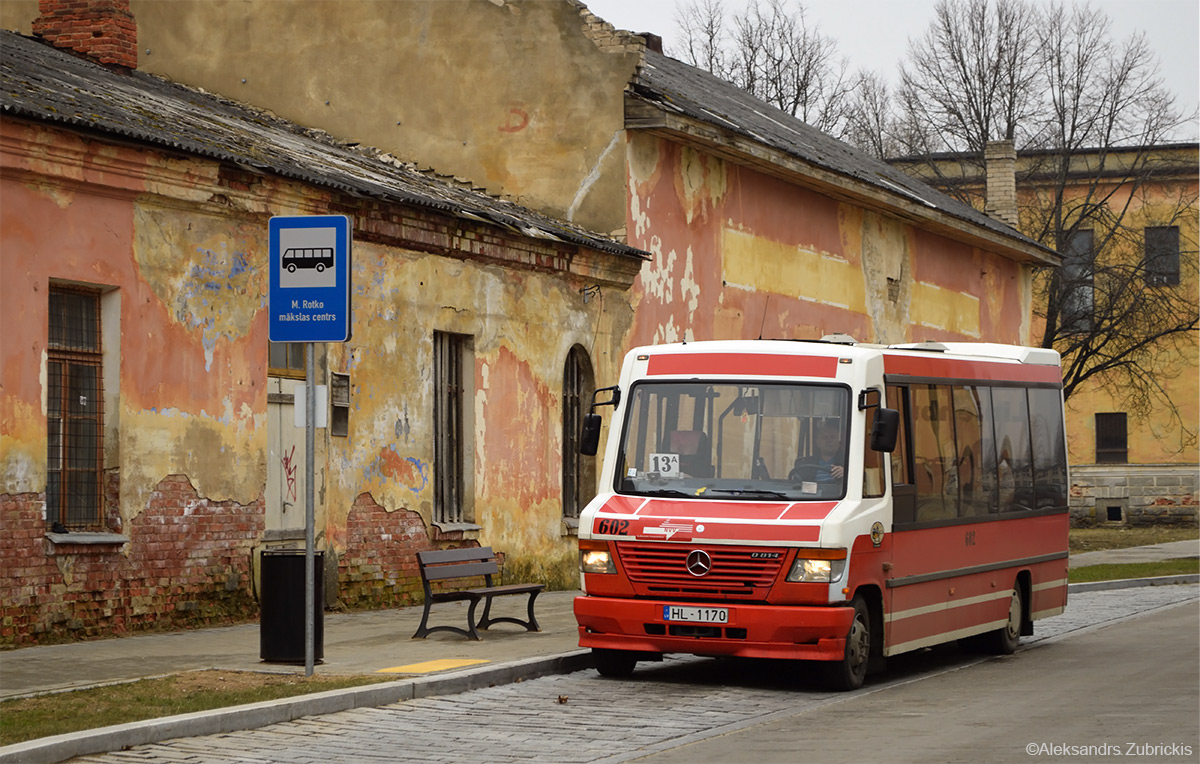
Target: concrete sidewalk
(355, 643)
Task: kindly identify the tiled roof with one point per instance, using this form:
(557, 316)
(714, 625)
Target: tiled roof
(42, 83)
(676, 87)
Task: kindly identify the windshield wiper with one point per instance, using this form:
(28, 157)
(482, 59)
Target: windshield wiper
(749, 492)
(664, 492)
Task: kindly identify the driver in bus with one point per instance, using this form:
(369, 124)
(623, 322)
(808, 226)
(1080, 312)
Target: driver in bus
(826, 457)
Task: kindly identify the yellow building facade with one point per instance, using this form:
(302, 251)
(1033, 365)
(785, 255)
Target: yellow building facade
(1133, 461)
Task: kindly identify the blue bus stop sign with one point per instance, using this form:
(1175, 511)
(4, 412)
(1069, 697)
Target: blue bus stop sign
(309, 296)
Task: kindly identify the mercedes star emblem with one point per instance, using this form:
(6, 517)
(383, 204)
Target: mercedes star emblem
(699, 563)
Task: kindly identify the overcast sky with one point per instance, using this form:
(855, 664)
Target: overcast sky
(873, 34)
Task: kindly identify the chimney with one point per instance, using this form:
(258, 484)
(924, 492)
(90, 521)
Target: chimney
(1001, 160)
(102, 30)
(653, 41)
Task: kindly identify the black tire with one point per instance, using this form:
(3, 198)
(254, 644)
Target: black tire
(615, 664)
(850, 672)
(1003, 641)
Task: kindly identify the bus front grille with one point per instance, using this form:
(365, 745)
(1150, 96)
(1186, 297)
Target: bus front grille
(657, 569)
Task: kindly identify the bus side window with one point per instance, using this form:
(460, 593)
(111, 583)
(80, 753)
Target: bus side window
(901, 470)
(934, 453)
(1014, 462)
(1049, 448)
(872, 461)
(903, 490)
(969, 464)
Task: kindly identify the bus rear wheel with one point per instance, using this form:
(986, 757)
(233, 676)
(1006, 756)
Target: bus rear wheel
(613, 663)
(850, 672)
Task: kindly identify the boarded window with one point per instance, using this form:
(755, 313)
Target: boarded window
(74, 411)
(450, 352)
(1162, 256)
(1112, 439)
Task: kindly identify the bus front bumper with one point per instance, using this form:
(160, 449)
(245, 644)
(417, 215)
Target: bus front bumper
(752, 631)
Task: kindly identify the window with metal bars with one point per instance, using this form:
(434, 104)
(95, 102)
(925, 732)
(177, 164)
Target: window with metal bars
(74, 411)
(578, 470)
(450, 352)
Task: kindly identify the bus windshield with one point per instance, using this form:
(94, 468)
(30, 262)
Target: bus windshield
(735, 441)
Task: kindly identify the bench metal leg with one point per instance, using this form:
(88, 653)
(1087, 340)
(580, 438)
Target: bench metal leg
(424, 630)
(486, 619)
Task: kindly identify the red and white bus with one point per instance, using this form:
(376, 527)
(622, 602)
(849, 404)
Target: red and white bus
(827, 501)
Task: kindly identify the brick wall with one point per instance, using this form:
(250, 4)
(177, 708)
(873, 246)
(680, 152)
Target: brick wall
(187, 564)
(102, 30)
(378, 567)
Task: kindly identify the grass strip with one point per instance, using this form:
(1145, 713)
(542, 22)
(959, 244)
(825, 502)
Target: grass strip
(1115, 571)
(58, 713)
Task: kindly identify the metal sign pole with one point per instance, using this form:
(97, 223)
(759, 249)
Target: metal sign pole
(310, 422)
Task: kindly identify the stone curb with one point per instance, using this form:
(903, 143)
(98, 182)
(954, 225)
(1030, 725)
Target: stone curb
(50, 750)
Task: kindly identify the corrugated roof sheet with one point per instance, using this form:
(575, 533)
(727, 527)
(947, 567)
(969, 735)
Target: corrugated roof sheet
(40, 82)
(674, 86)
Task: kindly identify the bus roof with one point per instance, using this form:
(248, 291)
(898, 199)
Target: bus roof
(839, 345)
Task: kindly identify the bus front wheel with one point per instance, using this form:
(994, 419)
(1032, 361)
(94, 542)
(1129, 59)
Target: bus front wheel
(1003, 641)
(613, 663)
(850, 672)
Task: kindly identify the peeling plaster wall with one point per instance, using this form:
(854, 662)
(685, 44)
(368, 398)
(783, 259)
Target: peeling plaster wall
(180, 250)
(522, 327)
(738, 254)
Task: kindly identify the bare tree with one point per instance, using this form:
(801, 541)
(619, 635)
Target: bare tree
(973, 76)
(871, 122)
(1088, 113)
(702, 24)
(771, 52)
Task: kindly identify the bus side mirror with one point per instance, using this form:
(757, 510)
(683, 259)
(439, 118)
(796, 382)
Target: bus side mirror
(883, 432)
(589, 439)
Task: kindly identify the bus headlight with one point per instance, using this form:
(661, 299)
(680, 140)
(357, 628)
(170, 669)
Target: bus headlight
(812, 570)
(596, 561)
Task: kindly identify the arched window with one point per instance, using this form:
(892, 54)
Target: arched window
(578, 471)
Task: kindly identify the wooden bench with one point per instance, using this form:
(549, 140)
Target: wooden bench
(444, 565)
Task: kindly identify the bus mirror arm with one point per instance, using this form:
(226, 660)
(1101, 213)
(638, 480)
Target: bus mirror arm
(589, 439)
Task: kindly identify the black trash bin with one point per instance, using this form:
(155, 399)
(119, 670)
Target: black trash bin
(281, 606)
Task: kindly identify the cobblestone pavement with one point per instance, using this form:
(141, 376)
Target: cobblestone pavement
(580, 717)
